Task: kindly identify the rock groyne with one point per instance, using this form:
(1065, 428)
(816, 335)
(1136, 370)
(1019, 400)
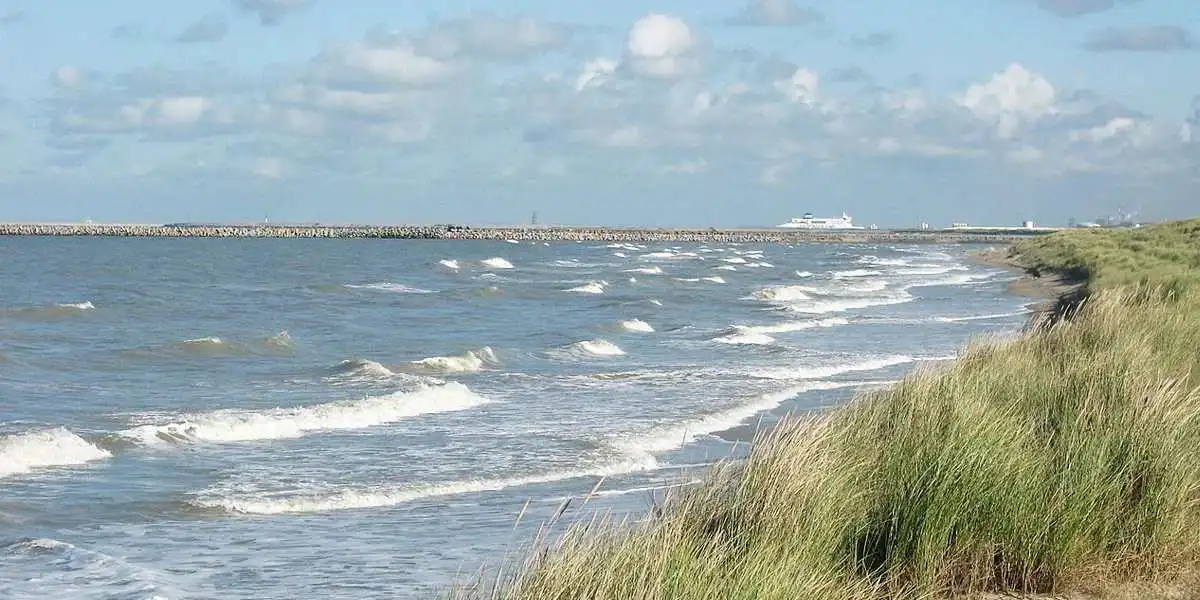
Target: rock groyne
(524, 234)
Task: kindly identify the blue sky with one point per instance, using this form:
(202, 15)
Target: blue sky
(697, 112)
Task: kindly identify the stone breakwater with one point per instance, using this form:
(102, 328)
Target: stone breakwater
(524, 234)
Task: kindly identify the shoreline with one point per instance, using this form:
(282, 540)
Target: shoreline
(1056, 292)
(518, 233)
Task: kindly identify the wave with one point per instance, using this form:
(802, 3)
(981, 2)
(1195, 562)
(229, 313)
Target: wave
(856, 273)
(870, 364)
(383, 496)
(791, 326)
(590, 348)
(24, 452)
(283, 423)
(394, 288)
(956, 280)
(362, 368)
(468, 362)
(979, 317)
(804, 274)
(497, 262)
(636, 326)
(746, 339)
(450, 264)
(64, 570)
(592, 287)
(760, 265)
(725, 268)
(713, 279)
(818, 307)
(671, 438)
(783, 293)
(50, 312)
(655, 270)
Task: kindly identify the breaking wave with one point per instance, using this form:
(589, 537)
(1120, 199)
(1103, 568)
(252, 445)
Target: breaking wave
(497, 262)
(823, 372)
(746, 339)
(58, 447)
(655, 270)
(791, 326)
(450, 264)
(784, 293)
(394, 288)
(320, 501)
(671, 438)
(468, 362)
(636, 326)
(592, 287)
(589, 348)
(283, 423)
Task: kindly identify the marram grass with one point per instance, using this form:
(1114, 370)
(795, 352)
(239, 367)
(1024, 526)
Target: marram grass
(1066, 459)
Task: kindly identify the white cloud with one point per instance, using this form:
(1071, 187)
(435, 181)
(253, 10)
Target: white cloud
(595, 73)
(1136, 131)
(1011, 98)
(662, 46)
(400, 64)
(689, 167)
(69, 77)
(802, 87)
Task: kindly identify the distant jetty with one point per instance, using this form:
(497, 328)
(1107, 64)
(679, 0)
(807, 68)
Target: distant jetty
(522, 234)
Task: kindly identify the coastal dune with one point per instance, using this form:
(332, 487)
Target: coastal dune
(1063, 462)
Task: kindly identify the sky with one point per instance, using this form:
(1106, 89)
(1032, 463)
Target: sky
(666, 113)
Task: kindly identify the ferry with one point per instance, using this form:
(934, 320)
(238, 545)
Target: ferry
(808, 221)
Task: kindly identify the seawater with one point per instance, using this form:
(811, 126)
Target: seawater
(227, 418)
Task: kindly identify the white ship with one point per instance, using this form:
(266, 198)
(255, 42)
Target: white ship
(808, 221)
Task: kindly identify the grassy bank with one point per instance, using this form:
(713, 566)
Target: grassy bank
(1068, 459)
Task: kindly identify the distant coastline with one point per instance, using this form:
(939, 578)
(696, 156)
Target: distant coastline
(520, 233)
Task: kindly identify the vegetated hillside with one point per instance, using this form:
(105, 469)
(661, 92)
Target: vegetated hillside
(1065, 460)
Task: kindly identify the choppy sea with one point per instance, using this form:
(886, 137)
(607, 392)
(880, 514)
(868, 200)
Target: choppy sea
(276, 419)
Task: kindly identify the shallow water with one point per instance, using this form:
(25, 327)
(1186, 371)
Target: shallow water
(224, 418)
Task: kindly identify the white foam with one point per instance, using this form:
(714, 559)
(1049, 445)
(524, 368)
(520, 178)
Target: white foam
(979, 317)
(817, 307)
(747, 339)
(592, 287)
(512, 242)
(659, 255)
(79, 306)
(671, 438)
(593, 348)
(283, 423)
(791, 326)
(804, 274)
(468, 362)
(208, 341)
(384, 496)
(855, 273)
(497, 263)
(782, 294)
(734, 260)
(637, 326)
(450, 264)
(394, 288)
(713, 279)
(58, 447)
(364, 368)
(620, 255)
(725, 268)
(655, 270)
(870, 364)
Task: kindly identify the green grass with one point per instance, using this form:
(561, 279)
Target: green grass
(1066, 459)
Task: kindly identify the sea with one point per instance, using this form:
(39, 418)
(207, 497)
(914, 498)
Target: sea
(361, 419)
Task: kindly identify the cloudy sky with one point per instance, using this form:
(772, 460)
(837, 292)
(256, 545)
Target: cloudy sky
(672, 112)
